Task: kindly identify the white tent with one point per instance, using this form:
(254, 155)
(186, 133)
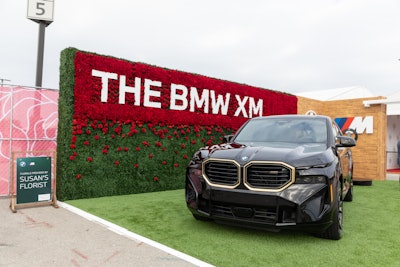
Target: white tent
(338, 93)
(393, 105)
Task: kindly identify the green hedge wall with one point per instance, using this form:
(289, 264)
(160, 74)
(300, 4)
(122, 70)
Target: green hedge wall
(127, 157)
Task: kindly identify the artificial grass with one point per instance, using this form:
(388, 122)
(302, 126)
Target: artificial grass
(371, 231)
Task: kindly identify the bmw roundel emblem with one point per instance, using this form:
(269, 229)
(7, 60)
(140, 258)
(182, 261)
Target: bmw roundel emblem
(245, 158)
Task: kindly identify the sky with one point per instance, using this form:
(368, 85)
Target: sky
(290, 46)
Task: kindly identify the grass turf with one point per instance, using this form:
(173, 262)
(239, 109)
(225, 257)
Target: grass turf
(371, 231)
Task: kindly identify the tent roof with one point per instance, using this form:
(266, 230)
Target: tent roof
(338, 93)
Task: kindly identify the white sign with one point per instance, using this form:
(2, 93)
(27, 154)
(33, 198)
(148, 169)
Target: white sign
(181, 97)
(40, 10)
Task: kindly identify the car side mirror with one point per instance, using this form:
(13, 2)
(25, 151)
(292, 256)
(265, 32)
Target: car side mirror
(227, 138)
(351, 132)
(345, 141)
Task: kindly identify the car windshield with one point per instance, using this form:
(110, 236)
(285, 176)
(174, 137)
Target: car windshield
(288, 130)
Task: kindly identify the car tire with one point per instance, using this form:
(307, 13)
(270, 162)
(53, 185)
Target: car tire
(349, 195)
(335, 231)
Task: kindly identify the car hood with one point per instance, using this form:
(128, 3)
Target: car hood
(293, 154)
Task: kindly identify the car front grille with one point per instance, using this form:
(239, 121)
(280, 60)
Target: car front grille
(224, 173)
(267, 175)
(257, 176)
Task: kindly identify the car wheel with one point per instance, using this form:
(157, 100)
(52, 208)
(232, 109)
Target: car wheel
(335, 231)
(349, 195)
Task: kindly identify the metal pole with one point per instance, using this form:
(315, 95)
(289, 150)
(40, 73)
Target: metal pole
(3, 80)
(39, 63)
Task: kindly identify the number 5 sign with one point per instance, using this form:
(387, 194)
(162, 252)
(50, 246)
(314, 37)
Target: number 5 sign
(41, 10)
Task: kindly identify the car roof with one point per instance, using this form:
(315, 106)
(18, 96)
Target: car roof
(291, 116)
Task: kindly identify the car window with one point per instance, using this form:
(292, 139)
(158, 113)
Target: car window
(291, 130)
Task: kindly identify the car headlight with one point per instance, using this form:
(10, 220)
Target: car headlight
(195, 170)
(310, 179)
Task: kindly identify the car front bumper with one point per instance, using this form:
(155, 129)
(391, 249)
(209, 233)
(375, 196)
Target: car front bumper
(300, 206)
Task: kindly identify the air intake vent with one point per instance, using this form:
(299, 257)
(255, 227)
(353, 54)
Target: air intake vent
(225, 173)
(268, 176)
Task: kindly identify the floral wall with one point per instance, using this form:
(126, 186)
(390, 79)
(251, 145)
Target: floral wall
(128, 127)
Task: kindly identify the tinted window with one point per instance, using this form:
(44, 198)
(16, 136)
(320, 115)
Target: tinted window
(293, 130)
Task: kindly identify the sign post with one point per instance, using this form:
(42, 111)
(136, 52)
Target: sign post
(33, 182)
(33, 179)
(40, 11)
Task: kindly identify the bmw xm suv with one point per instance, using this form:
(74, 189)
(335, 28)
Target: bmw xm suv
(276, 172)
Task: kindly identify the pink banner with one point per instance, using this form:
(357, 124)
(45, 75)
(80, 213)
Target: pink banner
(28, 122)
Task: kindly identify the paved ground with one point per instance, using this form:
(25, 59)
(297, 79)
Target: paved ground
(66, 236)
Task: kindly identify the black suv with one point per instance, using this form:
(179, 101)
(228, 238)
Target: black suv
(276, 172)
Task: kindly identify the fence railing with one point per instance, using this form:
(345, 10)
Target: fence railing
(28, 122)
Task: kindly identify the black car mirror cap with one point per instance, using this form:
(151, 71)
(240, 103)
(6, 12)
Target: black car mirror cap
(228, 138)
(345, 141)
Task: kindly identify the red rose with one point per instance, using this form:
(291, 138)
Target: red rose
(164, 162)
(89, 159)
(78, 176)
(145, 143)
